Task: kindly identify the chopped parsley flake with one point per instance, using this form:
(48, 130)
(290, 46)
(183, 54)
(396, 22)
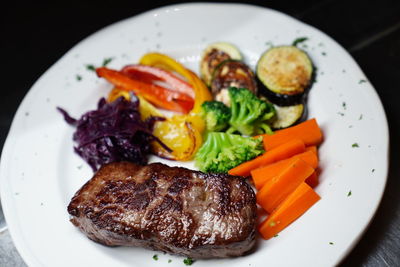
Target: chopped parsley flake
(90, 67)
(299, 40)
(107, 61)
(323, 53)
(169, 261)
(155, 257)
(344, 105)
(349, 193)
(362, 81)
(360, 118)
(78, 77)
(344, 71)
(373, 170)
(276, 235)
(355, 145)
(269, 43)
(341, 113)
(188, 261)
(330, 243)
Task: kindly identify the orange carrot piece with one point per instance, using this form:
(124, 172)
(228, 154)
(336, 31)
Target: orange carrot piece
(312, 180)
(263, 174)
(278, 188)
(308, 131)
(297, 203)
(284, 151)
(312, 149)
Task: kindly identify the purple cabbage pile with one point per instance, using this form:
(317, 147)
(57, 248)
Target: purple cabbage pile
(112, 132)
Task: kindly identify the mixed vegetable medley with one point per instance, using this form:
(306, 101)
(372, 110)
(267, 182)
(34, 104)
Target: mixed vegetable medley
(231, 120)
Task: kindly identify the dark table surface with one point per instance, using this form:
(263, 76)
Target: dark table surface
(35, 35)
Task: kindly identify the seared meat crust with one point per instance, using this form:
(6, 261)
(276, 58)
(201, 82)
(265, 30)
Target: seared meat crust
(171, 209)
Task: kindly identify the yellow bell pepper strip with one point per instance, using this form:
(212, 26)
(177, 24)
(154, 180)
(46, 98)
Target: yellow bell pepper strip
(179, 136)
(159, 96)
(201, 91)
(176, 133)
(181, 133)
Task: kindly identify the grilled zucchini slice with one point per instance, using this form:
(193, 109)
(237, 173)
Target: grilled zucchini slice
(284, 73)
(215, 54)
(232, 73)
(288, 116)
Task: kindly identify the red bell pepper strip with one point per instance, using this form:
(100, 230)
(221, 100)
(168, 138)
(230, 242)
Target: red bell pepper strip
(150, 74)
(157, 95)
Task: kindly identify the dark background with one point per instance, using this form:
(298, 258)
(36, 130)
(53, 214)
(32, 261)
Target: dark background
(36, 34)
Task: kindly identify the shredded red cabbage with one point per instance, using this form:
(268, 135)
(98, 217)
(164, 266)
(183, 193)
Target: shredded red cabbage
(113, 132)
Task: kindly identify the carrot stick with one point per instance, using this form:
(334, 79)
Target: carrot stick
(284, 151)
(279, 187)
(263, 174)
(298, 202)
(313, 149)
(308, 131)
(312, 180)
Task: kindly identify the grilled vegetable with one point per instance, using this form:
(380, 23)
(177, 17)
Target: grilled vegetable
(157, 95)
(151, 74)
(213, 55)
(284, 74)
(288, 116)
(232, 73)
(201, 91)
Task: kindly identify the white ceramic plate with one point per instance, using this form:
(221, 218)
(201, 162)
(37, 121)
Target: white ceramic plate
(40, 173)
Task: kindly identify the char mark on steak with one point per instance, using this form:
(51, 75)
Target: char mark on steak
(171, 209)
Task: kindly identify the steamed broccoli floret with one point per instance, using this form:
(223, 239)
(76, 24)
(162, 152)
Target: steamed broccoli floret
(221, 151)
(249, 114)
(216, 115)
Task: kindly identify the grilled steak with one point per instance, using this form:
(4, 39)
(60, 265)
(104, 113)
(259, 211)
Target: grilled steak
(171, 209)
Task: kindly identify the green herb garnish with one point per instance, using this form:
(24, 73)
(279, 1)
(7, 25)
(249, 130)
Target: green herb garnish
(349, 193)
(155, 257)
(188, 261)
(323, 53)
(344, 105)
(78, 77)
(299, 40)
(269, 43)
(169, 261)
(360, 118)
(373, 170)
(341, 113)
(330, 243)
(355, 145)
(107, 61)
(362, 81)
(90, 67)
